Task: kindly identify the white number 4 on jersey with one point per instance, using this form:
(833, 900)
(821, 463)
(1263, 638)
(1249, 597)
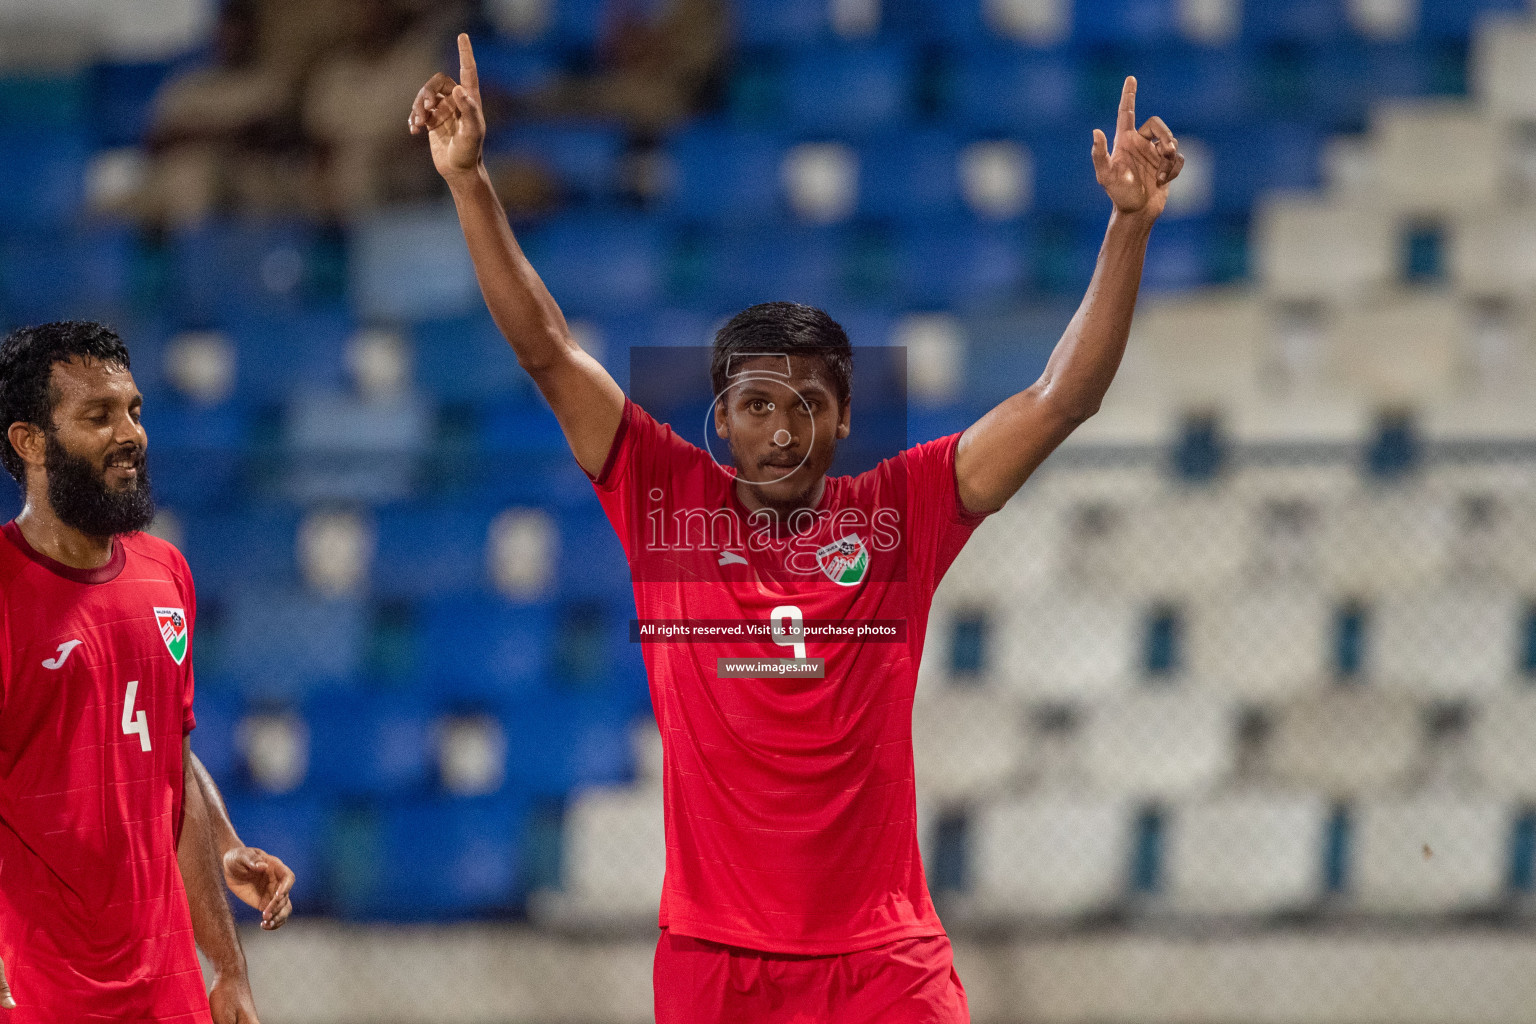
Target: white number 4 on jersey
(135, 724)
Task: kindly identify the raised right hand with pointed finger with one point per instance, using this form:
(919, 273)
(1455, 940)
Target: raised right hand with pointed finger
(451, 115)
(1136, 173)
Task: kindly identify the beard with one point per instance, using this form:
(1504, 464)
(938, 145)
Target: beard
(81, 499)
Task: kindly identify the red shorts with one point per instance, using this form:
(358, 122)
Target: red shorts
(910, 981)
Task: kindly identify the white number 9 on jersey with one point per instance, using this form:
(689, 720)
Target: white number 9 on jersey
(794, 636)
(135, 723)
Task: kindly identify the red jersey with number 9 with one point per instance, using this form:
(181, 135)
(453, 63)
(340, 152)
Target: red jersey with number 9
(790, 805)
(95, 698)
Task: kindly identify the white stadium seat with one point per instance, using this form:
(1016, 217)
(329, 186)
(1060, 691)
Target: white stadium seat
(1503, 739)
(1430, 854)
(613, 859)
(1346, 742)
(1068, 648)
(968, 743)
(1386, 538)
(1503, 53)
(1245, 853)
(1048, 857)
(1447, 643)
(1405, 348)
(1282, 509)
(1310, 249)
(1471, 167)
(1493, 253)
(1158, 745)
(1270, 644)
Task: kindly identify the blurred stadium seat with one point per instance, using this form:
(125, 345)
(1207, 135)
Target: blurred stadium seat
(1246, 853)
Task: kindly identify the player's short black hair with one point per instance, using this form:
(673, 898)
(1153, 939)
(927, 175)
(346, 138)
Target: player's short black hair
(27, 358)
(789, 328)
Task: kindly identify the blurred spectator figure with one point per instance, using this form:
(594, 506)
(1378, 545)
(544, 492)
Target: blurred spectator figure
(296, 113)
(354, 104)
(224, 135)
(654, 65)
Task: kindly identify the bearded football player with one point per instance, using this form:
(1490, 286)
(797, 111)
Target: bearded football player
(113, 838)
(794, 890)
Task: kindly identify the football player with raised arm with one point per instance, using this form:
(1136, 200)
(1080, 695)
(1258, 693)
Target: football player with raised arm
(113, 838)
(794, 890)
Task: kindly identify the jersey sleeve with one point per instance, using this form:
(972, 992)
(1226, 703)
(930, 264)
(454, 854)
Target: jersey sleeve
(938, 523)
(646, 456)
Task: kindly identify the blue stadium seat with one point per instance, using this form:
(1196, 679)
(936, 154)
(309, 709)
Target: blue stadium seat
(1064, 176)
(196, 454)
(599, 265)
(42, 177)
(851, 90)
(1126, 22)
(282, 644)
(430, 551)
(519, 433)
(279, 352)
(1013, 90)
(250, 546)
(1297, 21)
(1188, 87)
(466, 359)
(961, 264)
(956, 22)
(560, 742)
(480, 647)
(797, 264)
(369, 744)
(484, 648)
(578, 23)
(726, 175)
(426, 859)
(291, 828)
(239, 267)
(391, 277)
(122, 100)
(552, 480)
(1251, 160)
(1340, 83)
(57, 275)
(584, 157)
(911, 178)
(57, 100)
(213, 741)
(1179, 256)
(512, 68)
(1455, 19)
(781, 23)
(593, 566)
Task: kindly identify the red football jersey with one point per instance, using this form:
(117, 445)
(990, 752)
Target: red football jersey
(790, 805)
(95, 699)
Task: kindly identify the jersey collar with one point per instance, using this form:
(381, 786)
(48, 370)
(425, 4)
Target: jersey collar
(105, 574)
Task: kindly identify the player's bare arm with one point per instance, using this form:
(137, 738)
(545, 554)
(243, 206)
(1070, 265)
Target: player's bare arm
(585, 399)
(212, 925)
(259, 878)
(1000, 450)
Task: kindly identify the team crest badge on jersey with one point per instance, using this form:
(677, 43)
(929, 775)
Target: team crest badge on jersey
(844, 561)
(173, 630)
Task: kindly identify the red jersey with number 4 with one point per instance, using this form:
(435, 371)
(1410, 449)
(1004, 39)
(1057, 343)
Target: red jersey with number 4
(95, 698)
(790, 805)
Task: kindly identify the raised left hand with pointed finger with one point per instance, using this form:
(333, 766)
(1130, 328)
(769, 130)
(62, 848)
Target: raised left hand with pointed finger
(1136, 173)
